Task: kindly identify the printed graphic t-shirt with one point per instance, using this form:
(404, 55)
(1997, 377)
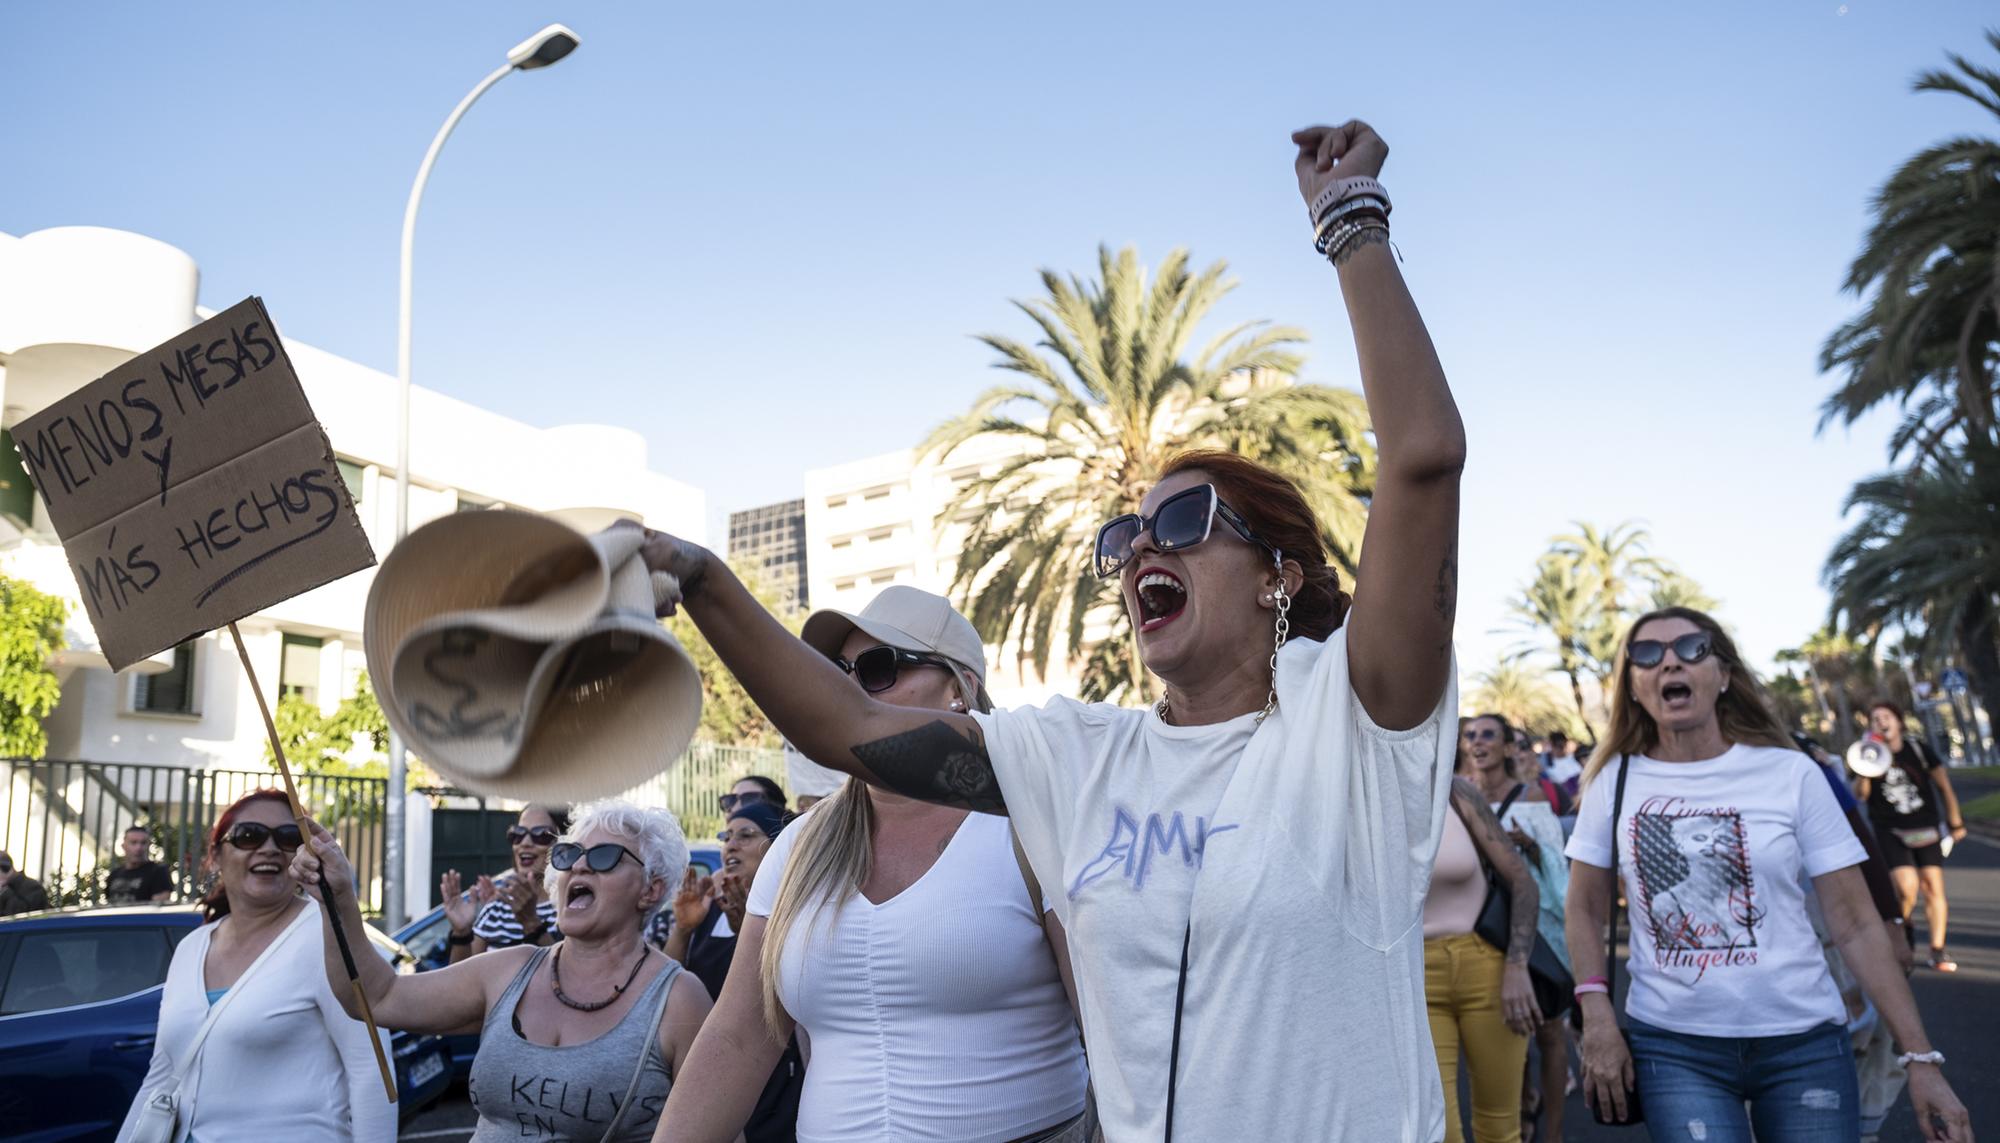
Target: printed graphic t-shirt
(1715, 857)
(1301, 848)
(137, 886)
(1905, 797)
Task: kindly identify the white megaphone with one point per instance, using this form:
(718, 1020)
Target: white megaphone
(1869, 758)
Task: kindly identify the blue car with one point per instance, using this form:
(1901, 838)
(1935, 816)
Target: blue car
(426, 939)
(80, 1001)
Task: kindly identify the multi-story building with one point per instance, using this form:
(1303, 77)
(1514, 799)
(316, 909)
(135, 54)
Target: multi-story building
(878, 521)
(76, 302)
(772, 539)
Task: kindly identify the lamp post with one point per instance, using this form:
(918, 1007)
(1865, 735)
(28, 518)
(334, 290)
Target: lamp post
(537, 51)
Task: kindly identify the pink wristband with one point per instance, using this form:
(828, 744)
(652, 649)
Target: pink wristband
(1594, 980)
(1342, 189)
(1592, 986)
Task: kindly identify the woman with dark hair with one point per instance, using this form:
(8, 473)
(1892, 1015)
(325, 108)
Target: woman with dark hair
(1721, 829)
(1912, 807)
(1506, 780)
(1297, 766)
(753, 788)
(255, 966)
(514, 908)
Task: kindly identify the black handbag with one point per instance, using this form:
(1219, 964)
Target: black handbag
(1635, 1111)
(1553, 984)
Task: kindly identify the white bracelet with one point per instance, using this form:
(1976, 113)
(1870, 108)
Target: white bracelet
(1908, 1058)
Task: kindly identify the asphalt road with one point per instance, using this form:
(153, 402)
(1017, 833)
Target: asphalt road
(1961, 1012)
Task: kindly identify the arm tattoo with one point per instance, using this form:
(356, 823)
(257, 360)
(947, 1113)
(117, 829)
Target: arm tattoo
(1446, 595)
(1373, 236)
(935, 763)
(1498, 850)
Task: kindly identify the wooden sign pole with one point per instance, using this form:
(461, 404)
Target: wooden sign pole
(305, 829)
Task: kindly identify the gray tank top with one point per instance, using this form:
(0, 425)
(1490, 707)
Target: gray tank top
(525, 1090)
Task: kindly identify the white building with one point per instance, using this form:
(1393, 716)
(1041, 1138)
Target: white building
(78, 301)
(874, 522)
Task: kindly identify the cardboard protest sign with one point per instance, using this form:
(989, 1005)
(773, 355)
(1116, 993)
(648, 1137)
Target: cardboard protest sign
(192, 486)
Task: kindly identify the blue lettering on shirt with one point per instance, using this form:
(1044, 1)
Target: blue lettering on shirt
(1132, 846)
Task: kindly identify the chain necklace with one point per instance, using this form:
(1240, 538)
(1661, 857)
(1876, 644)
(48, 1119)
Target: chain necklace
(1284, 628)
(555, 980)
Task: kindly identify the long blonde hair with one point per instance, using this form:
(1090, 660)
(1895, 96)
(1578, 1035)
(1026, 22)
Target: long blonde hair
(1743, 711)
(830, 861)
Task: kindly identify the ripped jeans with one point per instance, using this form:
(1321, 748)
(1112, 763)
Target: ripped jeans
(1799, 1088)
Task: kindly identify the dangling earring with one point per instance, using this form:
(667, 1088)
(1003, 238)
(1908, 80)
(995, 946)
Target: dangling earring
(958, 705)
(1284, 628)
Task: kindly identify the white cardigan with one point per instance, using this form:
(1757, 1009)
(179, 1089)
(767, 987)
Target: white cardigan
(284, 1061)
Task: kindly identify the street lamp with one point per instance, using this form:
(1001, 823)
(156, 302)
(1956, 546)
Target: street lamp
(537, 51)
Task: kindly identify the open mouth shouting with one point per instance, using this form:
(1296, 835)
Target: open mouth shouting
(1162, 597)
(1677, 696)
(581, 896)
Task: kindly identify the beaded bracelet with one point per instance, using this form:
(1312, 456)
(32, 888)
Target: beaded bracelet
(1342, 189)
(1344, 235)
(1344, 219)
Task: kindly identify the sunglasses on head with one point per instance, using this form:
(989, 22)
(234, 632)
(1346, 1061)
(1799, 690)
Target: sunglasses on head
(600, 858)
(1690, 649)
(250, 836)
(540, 835)
(1183, 520)
(877, 667)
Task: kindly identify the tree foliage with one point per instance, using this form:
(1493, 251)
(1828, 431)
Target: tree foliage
(351, 742)
(31, 630)
(1524, 695)
(1115, 385)
(728, 715)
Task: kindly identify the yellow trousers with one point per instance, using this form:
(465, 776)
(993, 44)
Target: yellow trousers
(1462, 993)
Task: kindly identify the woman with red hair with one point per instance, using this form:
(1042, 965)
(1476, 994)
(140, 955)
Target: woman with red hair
(246, 996)
(1242, 867)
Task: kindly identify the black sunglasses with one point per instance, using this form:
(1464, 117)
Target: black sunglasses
(600, 858)
(540, 835)
(1690, 649)
(876, 668)
(250, 836)
(1483, 734)
(1183, 520)
(729, 802)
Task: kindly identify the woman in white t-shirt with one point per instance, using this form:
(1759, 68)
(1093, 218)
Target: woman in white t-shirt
(1722, 829)
(1261, 839)
(898, 936)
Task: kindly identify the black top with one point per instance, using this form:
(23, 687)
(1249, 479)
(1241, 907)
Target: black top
(137, 886)
(777, 1111)
(1905, 797)
(708, 955)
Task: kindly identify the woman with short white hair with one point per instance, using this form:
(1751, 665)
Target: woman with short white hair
(601, 1014)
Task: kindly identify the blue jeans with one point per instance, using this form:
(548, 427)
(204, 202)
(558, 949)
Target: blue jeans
(1800, 1088)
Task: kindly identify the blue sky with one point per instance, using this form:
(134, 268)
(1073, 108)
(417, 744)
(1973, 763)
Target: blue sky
(761, 234)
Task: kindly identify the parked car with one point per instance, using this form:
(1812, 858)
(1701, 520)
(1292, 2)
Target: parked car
(426, 938)
(79, 1005)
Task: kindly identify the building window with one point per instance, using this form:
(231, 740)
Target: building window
(468, 503)
(880, 534)
(350, 475)
(876, 493)
(836, 502)
(171, 691)
(298, 667)
(838, 544)
(844, 585)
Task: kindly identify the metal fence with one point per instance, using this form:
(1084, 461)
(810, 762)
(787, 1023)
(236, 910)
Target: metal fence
(705, 773)
(63, 821)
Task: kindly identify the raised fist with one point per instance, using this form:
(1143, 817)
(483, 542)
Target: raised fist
(1327, 154)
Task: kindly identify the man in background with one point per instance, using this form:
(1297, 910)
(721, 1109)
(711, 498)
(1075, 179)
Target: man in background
(19, 893)
(140, 879)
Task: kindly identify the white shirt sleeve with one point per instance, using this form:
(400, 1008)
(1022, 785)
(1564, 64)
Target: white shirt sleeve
(368, 1108)
(771, 871)
(1826, 840)
(1037, 780)
(1591, 842)
(161, 1072)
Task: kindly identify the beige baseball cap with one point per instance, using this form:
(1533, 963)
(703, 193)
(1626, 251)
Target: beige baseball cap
(912, 619)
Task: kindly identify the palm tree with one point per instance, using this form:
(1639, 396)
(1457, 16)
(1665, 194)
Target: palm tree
(1113, 387)
(1925, 556)
(1927, 332)
(1561, 603)
(1675, 588)
(1522, 694)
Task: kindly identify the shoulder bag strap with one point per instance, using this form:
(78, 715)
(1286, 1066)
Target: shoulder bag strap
(652, 1041)
(1028, 878)
(215, 1010)
(1507, 802)
(1611, 941)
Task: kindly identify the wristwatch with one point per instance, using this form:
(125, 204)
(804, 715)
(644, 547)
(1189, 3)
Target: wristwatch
(459, 938)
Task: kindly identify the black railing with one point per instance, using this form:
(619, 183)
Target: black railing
(63, 821)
